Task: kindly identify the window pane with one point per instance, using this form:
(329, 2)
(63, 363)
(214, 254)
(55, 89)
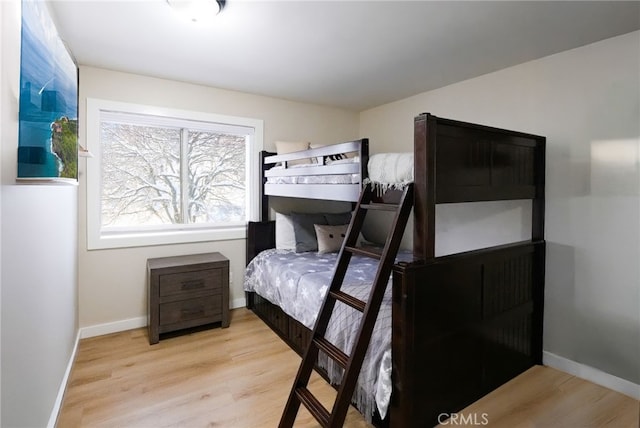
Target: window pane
(216, 174)
(140, 175)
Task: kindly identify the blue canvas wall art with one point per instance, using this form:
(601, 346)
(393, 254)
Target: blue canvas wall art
(48, 117)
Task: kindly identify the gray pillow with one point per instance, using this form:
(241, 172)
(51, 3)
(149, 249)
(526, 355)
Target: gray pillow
(305, 233)
(337, 219)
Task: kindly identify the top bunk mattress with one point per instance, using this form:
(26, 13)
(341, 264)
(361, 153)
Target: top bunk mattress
(333, 172)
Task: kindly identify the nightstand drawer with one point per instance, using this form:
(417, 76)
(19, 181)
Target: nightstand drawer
(183, 282)
(185, 310)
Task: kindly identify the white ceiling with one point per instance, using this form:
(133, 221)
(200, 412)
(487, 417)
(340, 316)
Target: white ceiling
(351, 54)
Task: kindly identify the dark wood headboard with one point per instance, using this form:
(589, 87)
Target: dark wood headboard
(463, 162)
(261, 235)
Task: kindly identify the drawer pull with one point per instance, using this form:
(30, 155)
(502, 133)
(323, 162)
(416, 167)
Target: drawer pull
(192, 312)
(193, 284)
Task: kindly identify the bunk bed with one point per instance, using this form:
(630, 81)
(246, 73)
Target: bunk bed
(461, 324)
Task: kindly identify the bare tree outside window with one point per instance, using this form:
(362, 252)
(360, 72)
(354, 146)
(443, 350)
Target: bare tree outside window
(216, 169)
(163, 176)
(155, 175)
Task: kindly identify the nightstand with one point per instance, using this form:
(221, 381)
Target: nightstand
(187, 291)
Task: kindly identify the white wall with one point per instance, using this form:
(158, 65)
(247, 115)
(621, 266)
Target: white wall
(39, 270)
(1, 136)
(112, 283)
(2, 127)
(587, 103)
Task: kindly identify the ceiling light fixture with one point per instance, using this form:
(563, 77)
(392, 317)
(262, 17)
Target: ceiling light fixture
(197, 10)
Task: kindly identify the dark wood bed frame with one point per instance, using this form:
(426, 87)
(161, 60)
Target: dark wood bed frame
(463, 324)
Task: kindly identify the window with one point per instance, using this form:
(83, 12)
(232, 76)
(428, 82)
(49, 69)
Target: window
(168, 176)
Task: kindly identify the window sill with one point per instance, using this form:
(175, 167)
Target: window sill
(128, 240)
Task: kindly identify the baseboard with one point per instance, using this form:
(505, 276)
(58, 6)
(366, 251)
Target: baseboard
(238, 303)
(591, 374)
(130, 324)
(63, 385)
(112, 327)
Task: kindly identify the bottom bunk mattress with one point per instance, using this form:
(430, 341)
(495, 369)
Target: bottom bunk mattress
(298, 283)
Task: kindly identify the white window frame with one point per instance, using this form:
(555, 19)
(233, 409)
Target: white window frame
(177, 234)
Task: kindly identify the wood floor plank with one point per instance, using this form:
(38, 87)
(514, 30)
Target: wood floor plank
(240, 377)
(235, 377)
(547, 398)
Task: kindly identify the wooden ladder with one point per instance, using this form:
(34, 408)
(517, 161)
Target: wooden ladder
(353, 363)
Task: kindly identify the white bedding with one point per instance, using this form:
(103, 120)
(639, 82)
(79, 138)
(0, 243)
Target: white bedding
(390, 170)
(316, 179)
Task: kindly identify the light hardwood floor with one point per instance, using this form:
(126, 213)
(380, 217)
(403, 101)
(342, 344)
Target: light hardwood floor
(547, 398)
(240, 377)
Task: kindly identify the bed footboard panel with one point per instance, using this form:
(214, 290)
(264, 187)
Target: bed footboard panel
(462, 326)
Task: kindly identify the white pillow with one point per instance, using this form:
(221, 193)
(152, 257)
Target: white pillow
(285, 236)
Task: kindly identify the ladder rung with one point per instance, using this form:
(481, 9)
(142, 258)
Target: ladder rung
(364, 252)
(380, 207)
(332, 351)
(348, 299)
(313, 405)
